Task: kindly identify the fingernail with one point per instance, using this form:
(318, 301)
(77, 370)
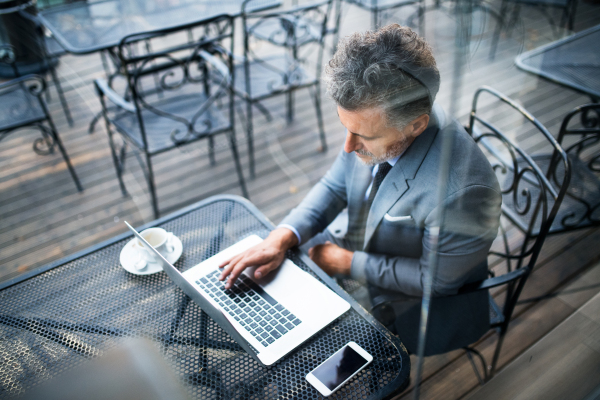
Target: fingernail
(258, 274)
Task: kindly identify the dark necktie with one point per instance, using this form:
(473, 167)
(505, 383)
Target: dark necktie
(382, 171)
(361, 223)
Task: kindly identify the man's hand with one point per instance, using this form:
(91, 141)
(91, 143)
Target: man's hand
(331, 258)
(267, 256)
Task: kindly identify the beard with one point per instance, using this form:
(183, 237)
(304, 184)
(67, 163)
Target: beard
(394, 151)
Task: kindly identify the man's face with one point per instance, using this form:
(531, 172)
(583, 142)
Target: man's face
(370, 138)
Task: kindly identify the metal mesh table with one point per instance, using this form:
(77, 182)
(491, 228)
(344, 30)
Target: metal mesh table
(74, 310)
(573, 62)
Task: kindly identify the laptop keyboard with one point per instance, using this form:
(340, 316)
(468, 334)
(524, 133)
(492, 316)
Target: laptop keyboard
(251, 306)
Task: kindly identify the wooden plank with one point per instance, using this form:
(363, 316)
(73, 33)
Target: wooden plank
(563, 364)
(530, 321)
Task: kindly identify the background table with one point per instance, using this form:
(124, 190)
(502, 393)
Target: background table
(71, 311)
(87, 27)
(573, 62)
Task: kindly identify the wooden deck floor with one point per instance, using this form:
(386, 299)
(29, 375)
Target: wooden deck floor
(43, 217)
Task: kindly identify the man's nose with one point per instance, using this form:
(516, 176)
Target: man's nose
(351, 143)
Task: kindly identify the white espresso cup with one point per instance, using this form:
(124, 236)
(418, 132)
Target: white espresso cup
(159, 239)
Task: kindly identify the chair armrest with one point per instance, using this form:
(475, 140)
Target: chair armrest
(103, 88)
(36, 89)
(218, 64)
(493, 282)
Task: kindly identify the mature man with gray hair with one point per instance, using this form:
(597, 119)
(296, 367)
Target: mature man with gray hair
(384, 84)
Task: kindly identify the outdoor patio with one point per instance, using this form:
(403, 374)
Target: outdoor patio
(44, 218)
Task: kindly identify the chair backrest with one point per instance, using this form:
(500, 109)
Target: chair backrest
(583, 122)
(159, 66)
(530, 201)
(294, 29)
(579, 135)
(22, 104)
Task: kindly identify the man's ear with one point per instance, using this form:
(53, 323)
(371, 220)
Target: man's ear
(418, 125)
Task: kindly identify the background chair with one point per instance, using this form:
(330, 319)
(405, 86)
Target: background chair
(579, 135)
(530, 203)
(193, 99)
(40, 49)
(22, 106)
(288, 39)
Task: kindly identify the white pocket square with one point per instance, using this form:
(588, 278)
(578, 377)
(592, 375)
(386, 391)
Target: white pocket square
(388, 217)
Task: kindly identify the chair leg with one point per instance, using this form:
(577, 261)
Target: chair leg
(374, 21)
(151, 186)
(496, 354)
(211, 150)
(57, 140)
(422, 18)
(317, 100)
(470, 353)
(336, 33)
(61, 96)
(238, 165)
(498, 30)
(290, 106)
(249, 137)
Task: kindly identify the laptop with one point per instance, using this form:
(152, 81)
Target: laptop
(267, 317)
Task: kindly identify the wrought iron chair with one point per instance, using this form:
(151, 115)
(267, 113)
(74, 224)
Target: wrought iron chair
(193, 100)
(531, 199)
(579, 135)
(292, 36)
(530, 202)
(22, 106)
(37, 43)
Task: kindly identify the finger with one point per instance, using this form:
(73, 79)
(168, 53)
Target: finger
(328, 242)
(236, 272)
(265, 269)
(311, 251)
(224, 263)
(230, 266)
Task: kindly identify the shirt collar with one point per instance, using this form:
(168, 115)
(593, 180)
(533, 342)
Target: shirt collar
(392, 162)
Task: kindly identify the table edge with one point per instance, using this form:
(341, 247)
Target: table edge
(520, 61)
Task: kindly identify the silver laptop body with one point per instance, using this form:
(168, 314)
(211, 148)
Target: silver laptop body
(267, 317)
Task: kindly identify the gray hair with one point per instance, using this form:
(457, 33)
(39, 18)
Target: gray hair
(367, 71)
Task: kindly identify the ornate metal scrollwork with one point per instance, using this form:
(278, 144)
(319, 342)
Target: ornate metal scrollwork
(584, 153)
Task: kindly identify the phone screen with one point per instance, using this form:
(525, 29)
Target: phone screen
(339, 367)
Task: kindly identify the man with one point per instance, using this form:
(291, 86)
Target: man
(384, 84)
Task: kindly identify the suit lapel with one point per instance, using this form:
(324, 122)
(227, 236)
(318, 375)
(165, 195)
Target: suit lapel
(396, 183)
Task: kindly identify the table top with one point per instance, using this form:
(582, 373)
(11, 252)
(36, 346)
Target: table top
(85, 27)
(573, 62)
(61, 316)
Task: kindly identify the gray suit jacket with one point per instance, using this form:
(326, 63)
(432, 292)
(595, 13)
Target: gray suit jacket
(394, 257)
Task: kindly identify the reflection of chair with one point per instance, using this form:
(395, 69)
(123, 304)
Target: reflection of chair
(579, 135)
(380, 8)
(22, 106)
(530, 202)
(292, 35)
(194, 84)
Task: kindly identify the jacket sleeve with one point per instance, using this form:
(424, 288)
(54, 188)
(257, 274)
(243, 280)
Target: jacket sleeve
(470, 221)
(322, 204)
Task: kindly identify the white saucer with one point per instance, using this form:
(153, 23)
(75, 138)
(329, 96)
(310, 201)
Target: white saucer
(130, 256)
